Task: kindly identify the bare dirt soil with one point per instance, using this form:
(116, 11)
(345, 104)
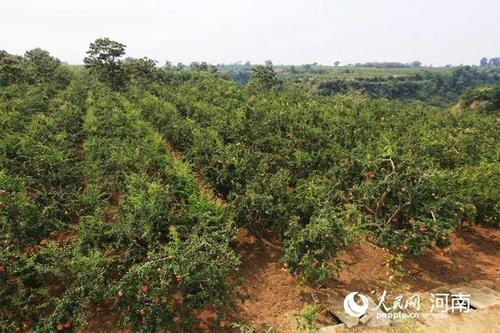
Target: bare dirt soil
(273, 296)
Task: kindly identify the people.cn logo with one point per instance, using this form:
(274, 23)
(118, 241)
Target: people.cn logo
(354, 309)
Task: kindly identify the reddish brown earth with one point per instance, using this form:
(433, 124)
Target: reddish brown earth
(273, 296)
(474, 254)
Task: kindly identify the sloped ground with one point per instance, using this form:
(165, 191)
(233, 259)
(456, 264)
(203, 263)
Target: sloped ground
(273, 296)
(474, 254)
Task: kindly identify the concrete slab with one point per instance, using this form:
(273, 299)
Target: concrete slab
(480, 298)
(434, 316)
(333, 329)
(375, 317)
(482, 283)
(336, 307)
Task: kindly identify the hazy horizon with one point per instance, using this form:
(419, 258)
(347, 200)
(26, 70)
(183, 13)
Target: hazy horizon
(286, 32)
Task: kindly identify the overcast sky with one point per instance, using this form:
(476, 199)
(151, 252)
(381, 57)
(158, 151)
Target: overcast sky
(436, 32)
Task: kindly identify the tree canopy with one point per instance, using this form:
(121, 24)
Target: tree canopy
(104, 60)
